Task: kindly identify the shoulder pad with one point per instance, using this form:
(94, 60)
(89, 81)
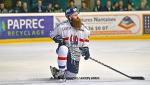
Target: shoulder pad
(62, 23)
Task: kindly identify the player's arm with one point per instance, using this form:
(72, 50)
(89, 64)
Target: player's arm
(56, 35)
(85, 47)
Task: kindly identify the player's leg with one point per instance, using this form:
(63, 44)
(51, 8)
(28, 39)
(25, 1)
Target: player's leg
(62, 57)
(62, 52)
(73, 60)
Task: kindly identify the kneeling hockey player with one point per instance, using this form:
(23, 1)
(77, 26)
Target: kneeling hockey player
(73, 39)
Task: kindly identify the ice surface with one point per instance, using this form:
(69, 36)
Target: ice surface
(28, 64)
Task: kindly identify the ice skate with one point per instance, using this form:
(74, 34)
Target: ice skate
(57, 74)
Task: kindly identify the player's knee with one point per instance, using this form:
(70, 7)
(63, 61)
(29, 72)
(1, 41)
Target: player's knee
(70, 75)
(63, 50)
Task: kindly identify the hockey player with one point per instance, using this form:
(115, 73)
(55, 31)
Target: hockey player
(73, 39)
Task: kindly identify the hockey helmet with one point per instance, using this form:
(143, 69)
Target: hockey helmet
(70, 11)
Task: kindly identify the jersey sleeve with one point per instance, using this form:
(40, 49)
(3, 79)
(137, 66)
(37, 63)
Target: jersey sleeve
(56, 31)
(86, 39)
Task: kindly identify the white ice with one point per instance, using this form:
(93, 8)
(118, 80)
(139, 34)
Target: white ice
(28, 64)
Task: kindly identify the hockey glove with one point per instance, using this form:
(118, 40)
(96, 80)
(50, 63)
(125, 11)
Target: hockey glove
(85, 52)
(58, 39)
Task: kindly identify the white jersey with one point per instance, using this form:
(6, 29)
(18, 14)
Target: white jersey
(72, 37)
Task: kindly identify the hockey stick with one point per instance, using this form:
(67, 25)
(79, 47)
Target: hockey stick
(131, 77)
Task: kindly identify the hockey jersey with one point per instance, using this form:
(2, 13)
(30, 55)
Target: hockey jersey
(72, 37)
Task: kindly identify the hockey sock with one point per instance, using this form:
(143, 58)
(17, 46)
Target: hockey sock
(62, 57)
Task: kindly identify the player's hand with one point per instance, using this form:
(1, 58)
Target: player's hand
(58, 39)
(85, 52)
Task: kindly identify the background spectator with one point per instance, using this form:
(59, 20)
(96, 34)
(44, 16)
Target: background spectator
(130, 7)
(84, 7)
(25, 7)
(71, 4)
(57, 8)
(108, 6)
(121, 6)
(116, 6)
(98, 6)
(18, 7)
(50, 8)
(2, 8)
(144, 5)
(144, 1)
(39, 8)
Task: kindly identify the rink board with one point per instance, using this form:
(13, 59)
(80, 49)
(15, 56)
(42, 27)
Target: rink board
(103, 26)
(34, 40)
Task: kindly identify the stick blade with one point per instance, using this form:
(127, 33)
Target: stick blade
(138, 78)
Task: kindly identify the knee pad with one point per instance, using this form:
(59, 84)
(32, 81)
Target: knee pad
(62, 57)
(63, 51)
(70, 75)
